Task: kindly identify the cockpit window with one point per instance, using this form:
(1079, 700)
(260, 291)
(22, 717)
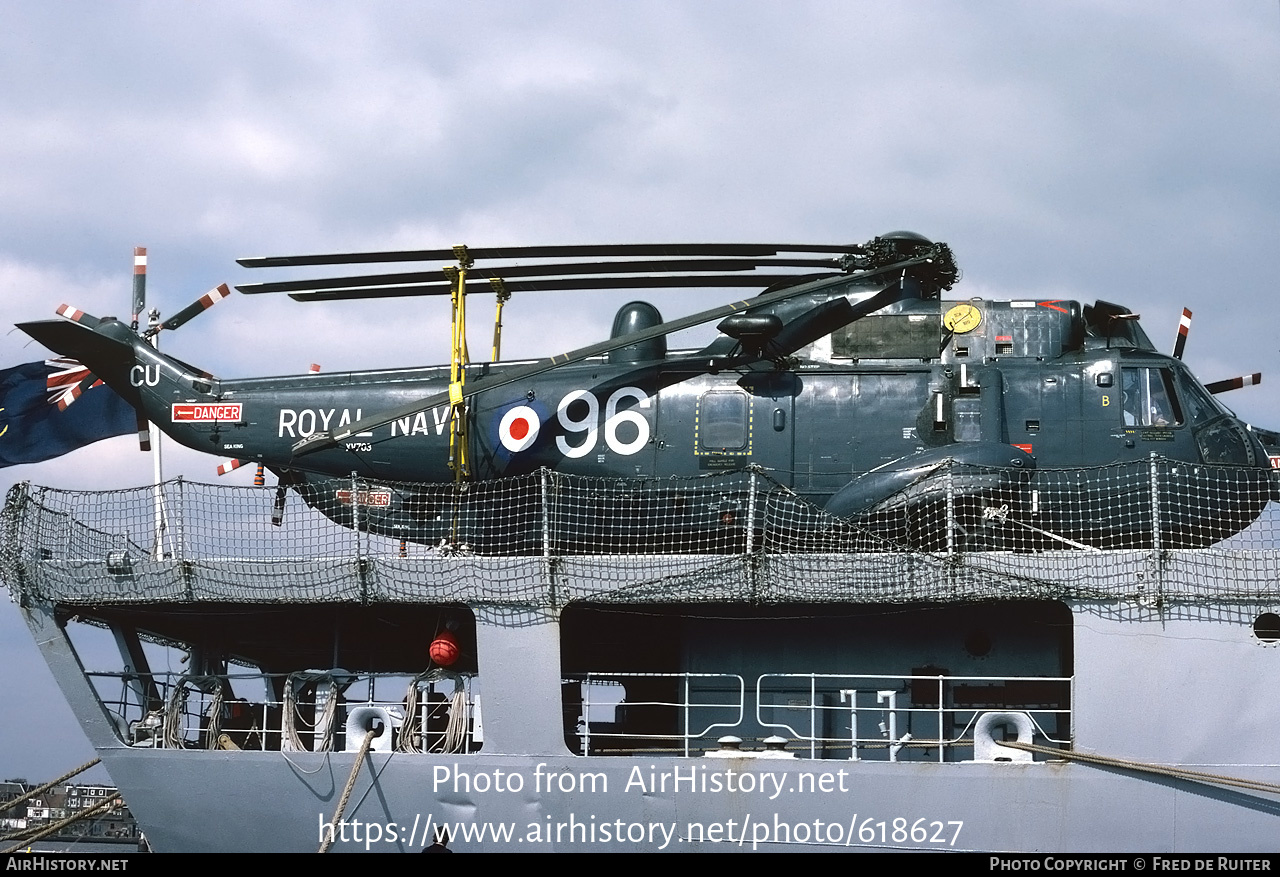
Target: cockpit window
(1149, 398)
(1201, 406)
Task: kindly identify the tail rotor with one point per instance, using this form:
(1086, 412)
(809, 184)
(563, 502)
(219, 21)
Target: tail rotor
(1180, 345)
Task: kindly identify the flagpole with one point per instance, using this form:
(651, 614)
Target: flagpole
(157, 473)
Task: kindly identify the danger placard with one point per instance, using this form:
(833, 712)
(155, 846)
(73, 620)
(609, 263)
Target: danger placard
(189, 412)
(374, 498)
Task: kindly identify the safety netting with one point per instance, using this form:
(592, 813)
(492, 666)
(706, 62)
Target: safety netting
(1150, 529)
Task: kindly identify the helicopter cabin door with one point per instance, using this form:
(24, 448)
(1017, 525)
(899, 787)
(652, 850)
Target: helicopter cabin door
(727, 422)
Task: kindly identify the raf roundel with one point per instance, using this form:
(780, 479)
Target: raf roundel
(518, 429)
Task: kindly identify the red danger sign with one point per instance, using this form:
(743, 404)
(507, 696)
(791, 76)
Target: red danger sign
(375, 498)
(190, 412)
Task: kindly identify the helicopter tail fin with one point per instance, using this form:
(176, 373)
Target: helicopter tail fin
(76, 340)
(108, 357)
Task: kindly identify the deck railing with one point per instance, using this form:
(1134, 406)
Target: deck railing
(295, 712)
(853, 717)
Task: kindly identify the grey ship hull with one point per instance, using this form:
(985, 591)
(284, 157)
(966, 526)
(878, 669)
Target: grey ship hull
(1184, 692)
(1160, 660)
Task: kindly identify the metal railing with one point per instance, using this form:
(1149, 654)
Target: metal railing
(183, 711)
(898, 717)
(640, 724)
(830, 716)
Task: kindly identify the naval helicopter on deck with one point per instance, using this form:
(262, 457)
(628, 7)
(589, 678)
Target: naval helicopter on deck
(848, 378)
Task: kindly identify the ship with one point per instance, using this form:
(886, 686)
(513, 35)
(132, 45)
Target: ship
(872, 571)
(850, 695)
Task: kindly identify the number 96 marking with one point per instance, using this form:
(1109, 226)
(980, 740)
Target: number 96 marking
(589, 422)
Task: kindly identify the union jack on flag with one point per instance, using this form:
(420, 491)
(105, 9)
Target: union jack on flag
(65, 379)
(36, 422)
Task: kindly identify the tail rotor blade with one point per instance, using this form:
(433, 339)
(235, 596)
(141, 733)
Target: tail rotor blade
(144, 434)
(277, 509)
(1234, 383)
(199, 306)
(229, 466)
(1184, 329)
(76, 315)
(139, 285)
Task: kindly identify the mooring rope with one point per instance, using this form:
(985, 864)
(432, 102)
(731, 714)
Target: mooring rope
(1147, 767)
(346, 792)
(31, 794)
(58, 826)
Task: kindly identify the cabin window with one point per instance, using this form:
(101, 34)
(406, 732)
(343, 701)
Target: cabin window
(723, 422)
(1149, 399)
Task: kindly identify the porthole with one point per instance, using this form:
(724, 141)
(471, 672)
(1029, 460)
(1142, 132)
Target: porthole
(1266, 627)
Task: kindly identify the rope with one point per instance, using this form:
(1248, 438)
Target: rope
(454, 738)
(172, 732)
(31, 794)
(455, 735)
(213, 734)
(290, 740)
(58, 826)
(1147, 767)
(346, 792)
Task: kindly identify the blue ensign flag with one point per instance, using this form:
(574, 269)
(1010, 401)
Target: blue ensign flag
(35, 427)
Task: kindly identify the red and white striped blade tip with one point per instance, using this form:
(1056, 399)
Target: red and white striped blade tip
(73, 314)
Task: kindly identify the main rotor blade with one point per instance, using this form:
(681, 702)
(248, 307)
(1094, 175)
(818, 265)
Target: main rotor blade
(509, 272)
(660, 281)
(321, 441)
(199, 306)
(1234, 383)
(547, 252)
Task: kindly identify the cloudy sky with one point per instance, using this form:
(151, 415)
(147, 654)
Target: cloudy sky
(1069, 150)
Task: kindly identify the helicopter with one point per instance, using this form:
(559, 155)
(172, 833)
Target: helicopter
(847, 377)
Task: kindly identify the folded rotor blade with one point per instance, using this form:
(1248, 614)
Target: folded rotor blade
(510, 272)
(321, 441)
(548, 252)
(562, 283)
